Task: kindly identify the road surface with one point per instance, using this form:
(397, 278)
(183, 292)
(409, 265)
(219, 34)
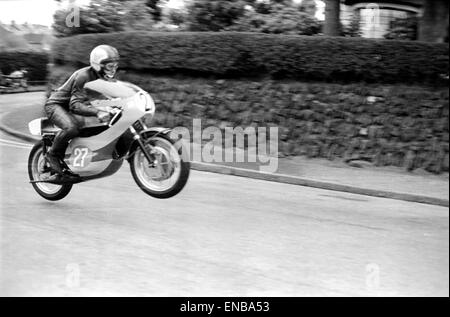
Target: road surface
(221, 236)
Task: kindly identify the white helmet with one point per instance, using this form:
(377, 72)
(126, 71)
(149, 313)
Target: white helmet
(105, 60)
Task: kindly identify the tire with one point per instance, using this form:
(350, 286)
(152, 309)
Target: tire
(140, 169)
(46, 190)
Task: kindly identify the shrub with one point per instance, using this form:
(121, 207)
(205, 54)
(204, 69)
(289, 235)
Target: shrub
(233, 54)
(33, 61)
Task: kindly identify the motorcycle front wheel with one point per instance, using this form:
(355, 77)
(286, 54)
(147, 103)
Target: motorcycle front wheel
(167, 175)
(37, 171)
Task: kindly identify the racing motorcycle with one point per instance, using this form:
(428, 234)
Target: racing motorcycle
(158, 161)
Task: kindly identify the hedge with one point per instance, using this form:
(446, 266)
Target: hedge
(399, 125)
(241, 55)
(35, 62)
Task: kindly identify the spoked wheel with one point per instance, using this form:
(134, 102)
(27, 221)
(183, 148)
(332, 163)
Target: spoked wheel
(167, 174)
(38, 171)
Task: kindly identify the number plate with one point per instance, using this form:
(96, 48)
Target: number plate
(81, 156)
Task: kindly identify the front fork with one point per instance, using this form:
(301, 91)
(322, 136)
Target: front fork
(137, 137)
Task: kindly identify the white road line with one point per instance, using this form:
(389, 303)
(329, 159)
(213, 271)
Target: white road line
(14, 142)
(15, 146)
(19, 145)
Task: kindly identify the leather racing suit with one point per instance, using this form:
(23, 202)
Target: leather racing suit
(67, 99)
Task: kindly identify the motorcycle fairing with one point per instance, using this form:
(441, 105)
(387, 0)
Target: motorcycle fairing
(93, 155)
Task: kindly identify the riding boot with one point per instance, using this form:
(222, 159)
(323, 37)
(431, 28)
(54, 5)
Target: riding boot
(54, 161)
(57, 152)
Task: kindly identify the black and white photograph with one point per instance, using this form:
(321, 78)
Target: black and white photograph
(235, 150)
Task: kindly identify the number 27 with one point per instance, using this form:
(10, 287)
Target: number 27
(80, 156)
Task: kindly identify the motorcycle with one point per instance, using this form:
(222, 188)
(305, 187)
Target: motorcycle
(159, 162)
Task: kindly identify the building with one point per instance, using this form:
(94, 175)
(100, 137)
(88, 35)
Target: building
(376, 16)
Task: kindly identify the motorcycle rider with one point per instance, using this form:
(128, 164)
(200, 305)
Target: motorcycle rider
(71, 99)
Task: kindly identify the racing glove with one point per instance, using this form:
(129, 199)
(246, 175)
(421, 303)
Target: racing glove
(103, 116)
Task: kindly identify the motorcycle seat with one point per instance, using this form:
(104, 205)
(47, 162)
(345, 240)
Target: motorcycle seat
(47, 127)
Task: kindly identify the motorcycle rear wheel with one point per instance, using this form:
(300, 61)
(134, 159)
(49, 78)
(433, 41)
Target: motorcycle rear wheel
(36, 163)
(168, 176)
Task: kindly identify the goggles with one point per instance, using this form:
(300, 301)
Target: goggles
(111, 65)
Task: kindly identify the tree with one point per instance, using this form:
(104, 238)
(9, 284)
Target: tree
(214, 15)
(154, 5)
(102, 16)
(138, 15)
(332, 18)
(286, 20)
(251, 15)
(268, 6)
